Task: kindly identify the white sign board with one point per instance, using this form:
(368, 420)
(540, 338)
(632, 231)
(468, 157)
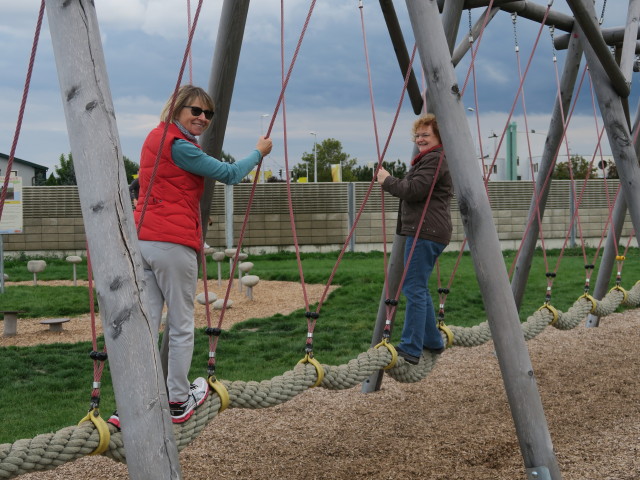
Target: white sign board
(11, 221)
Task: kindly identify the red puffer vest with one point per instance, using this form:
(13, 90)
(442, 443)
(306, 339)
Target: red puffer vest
(173, 209)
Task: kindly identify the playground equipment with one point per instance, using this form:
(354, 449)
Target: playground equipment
(80, 72)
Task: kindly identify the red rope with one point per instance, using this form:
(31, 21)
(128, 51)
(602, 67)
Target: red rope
(253, 187)
(98, 365)
(188, 31)
(25, 93)
(169, 115)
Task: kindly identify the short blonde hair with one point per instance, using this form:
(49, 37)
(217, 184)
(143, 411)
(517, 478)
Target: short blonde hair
(429, 119)
(184, 96)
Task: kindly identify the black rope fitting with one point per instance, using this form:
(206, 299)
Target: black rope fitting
(550, 275)
(443, 290)
(314, 315)
(391, 301)
(590, 266)
(95, 402)
(100, 356)
(215, 331)
(308, 348)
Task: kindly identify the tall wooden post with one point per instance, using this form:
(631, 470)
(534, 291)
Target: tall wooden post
(615, 231)
(615, 123)
(395, 268)
(506, 331)
(111, 236)
(543, 182)
(226, 56)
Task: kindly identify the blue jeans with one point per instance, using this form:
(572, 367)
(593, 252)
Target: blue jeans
(420, 330)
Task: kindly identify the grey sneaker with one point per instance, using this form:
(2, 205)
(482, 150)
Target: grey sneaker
(198, 392)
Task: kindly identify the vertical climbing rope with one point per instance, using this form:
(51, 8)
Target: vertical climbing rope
(23, 103)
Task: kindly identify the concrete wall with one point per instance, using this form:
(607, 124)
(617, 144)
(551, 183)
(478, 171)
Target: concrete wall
(53, 219)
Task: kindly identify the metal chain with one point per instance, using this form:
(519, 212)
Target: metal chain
(470, 29)
(514, 18)
(604, 6)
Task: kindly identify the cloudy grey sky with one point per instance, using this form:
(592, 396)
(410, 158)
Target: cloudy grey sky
(328, 93)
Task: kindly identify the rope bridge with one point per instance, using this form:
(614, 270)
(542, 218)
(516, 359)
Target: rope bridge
(48, 451)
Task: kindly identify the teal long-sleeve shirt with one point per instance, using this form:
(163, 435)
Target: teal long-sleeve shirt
(192, 159)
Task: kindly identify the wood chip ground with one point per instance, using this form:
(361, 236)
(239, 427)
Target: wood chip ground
(455, 424)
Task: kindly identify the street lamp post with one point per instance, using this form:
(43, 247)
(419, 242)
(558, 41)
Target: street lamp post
(315, 156)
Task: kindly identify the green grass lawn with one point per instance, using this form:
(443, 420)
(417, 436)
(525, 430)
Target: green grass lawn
(56, 379)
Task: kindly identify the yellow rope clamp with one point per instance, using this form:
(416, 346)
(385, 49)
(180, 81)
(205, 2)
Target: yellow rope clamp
(620, 258)
(447, 331)
(624, 292)
(103, 430)
(222, 392)
(394, 354)
(320, 371)
(553, 311)
(594, 302)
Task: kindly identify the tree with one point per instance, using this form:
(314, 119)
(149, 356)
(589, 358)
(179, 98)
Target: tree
(130, 168)
(328, 153)
(64, 174)
(363, 173)
(579, 167)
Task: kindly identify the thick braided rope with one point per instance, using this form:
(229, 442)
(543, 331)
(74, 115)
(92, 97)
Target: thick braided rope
(48, 451)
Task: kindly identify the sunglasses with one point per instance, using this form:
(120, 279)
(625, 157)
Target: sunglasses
(197, 111)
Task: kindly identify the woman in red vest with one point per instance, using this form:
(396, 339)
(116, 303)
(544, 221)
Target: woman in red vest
(170, 231)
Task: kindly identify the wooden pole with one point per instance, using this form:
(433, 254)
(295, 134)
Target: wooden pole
(506, 331)
(394, 274)
(402, 55)
(612, 36)
(615, 231)
(589, 24)
(615, 123)
(628, 55)
(111, 235)
(233, 19)
(464, 45)
(451, 17)
(543, 182)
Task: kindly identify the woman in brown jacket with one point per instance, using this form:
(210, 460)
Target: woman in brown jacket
(427, 184)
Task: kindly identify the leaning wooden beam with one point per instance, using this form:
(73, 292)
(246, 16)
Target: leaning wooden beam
(475, 211)
(589, 24)
(233, 19)
(612, 36)
(613, 238)
(555, 136)
(464, 45)
(535, 12)
(617, 128)
(400, 47)
(112, 241)
(395, 269)
(451, 16)
(628, 55)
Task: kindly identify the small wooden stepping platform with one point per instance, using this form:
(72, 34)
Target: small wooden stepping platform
(10, 322)
(55, 324)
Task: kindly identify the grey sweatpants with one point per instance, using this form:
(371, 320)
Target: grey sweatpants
(171, 275)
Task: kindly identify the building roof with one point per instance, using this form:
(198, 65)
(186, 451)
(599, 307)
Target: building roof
(4, 156)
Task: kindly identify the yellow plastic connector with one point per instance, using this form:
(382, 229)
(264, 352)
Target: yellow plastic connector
(624, 292)
(594, 302)
(103, 430)
(553, 311)
(620, 258)
(447, 331)
(308, 358)
(394, 354)
(222, 392)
